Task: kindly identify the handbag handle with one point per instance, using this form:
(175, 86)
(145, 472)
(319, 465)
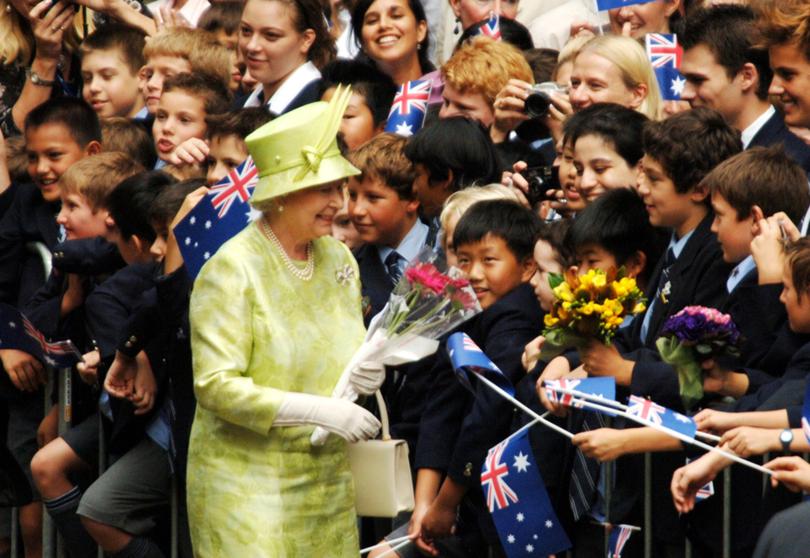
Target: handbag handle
(386, 434)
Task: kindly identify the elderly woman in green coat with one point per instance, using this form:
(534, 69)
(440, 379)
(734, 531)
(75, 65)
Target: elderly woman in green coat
(275, 318)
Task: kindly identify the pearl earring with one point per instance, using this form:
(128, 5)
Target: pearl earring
(8, 8)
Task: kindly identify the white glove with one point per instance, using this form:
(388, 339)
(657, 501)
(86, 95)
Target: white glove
(347, 420)
(367, 377)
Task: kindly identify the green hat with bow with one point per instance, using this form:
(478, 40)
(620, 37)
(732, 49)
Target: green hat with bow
(299, 149)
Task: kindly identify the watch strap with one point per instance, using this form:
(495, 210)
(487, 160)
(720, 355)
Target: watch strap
(36, 79)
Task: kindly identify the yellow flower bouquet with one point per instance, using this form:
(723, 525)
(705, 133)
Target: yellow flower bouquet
(588, 307)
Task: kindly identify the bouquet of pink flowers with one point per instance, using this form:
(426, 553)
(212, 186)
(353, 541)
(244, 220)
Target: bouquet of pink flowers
(425, 304)
(691, 336)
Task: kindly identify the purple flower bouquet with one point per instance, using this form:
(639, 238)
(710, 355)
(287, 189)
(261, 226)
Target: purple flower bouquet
(691, 336)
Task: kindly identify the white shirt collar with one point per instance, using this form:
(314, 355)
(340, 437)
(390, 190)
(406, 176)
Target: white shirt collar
(410, 246)
(739, 272)
(292, 86)
(755, 126)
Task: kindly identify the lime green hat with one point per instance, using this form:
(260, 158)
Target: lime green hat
(299, 149)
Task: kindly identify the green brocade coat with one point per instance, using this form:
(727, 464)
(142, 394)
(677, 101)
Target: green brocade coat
(257, 331)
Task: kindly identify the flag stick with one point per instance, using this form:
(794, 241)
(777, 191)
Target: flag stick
(683, 437)
(523, 407)
(384, 543)
(618, 405)
(395, 548)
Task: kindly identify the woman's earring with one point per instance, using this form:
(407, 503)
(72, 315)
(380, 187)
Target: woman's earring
(280, 207)
(8, 8)
(457, 28)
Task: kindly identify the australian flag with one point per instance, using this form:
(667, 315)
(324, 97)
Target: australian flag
(467, 358)
(409, 109)
(518, 502)
(222, 213)
(16, 332)
(665, 55)
(619, 535)
(603, 388)
(656, 415)
(490, 28)
(603, 5)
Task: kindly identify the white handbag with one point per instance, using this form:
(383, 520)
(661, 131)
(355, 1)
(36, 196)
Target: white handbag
(382, 474)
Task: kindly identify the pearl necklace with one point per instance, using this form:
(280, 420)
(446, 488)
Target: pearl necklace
(305, 273)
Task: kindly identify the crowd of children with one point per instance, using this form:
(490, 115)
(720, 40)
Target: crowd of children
(115, 123)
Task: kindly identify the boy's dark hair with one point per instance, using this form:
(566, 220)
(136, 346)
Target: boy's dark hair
(236, 122)
(543, 62)
(730, 33)
(516, 225)
(130, 201)
(214, 93)
(126, 40)
(690, 144)
(74, 114)
(455, 144)
(221, 15)
(383, 157)
(512, 32)
(616, 125)
(761, 176)
(168, 201)
(127, 136)
(798, 257)
(377, 88)
(618, 222)
(556, 234)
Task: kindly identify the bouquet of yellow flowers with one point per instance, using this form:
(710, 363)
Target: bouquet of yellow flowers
(588, 307)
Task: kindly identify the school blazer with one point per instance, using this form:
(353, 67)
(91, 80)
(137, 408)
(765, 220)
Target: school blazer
(775, 132)
(376, 285)
(698, 277)
(28, 219)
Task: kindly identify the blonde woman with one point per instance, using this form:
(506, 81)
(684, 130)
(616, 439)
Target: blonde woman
(37, 40)
(615, 69)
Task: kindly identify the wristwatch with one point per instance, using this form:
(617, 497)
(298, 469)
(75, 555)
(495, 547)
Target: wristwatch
(36, 79)
(786, 437)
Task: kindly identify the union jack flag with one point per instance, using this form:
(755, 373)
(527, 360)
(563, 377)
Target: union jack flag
(604, 5)
(469, 360)
(665, 55)
(409, 108)
(645, 409)
(559, 397)
(499, 494)
(17, 332)
(619, 535)
(220, 214)
(237, 184)
(491, 28)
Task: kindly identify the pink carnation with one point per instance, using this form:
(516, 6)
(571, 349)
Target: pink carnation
(428, 276)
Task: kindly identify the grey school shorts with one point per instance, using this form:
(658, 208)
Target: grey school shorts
(132, 493)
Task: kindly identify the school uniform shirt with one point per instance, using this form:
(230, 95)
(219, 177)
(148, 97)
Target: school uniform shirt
(300, 88)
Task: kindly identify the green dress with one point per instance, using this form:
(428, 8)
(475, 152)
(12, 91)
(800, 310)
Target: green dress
(257, 331)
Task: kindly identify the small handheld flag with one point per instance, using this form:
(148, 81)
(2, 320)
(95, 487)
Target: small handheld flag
(517, 499)
(490, 28)
(409, 108)
(17, 332)
(601, 388)
(604, 5)
(619, 535)
(222, 213)
(466, 358)
(665, 55)
(659, 415)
